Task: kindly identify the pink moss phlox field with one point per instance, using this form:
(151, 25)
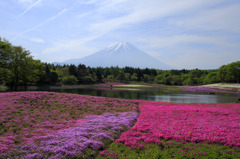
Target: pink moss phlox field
(210, 89)
(109, 153)
(72, 142)
(211, 123)
(26, 116)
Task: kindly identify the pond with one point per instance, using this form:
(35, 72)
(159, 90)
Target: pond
(151, 94)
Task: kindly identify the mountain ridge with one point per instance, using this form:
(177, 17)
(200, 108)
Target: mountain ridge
(119, 54)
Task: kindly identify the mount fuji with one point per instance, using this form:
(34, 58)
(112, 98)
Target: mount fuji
(120, 54)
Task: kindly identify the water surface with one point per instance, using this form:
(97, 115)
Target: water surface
(151, 94)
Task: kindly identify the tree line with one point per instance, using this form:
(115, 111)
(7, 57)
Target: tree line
(17, 67)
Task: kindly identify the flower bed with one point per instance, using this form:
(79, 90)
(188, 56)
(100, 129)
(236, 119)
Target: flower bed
(93, 134)
(210, 123)
(26, 116)
(210, 89)
(175, 130)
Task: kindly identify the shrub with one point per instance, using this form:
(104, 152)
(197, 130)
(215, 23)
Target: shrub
(71, 80)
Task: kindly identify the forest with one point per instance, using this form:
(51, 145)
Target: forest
(19, 68)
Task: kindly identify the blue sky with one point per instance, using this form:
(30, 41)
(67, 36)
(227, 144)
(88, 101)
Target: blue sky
(187, 34)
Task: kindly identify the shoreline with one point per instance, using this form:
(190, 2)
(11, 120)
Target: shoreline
(164, 88)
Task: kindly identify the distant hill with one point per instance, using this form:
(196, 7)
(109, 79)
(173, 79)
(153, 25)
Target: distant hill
(120, 54)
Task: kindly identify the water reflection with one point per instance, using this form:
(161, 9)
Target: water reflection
(152, 95)
(191, 98)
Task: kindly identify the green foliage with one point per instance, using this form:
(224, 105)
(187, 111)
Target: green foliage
(121, 76)
(2, 89)
(211, 78)
(172, 149)
(115, 71)
(73, 70)
(163, 78)
(194, 77)
(17, 66)
(230, 73)
(99, 75)
(145, 77)
(134, 77)
(62, 72)
(4, 74)
(89, 79)
(128, 76)
(49, 75)
(107, 72)
(53, 77)
(158, 79)
(69, 80)
(110, 78)
(31, 71)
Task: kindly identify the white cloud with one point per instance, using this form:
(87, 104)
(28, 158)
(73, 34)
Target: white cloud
(45, 21)
(203, 59)
(25, 1)
(177, 40)
(37, 40)
(192, 51)
(143, 11)
(225, 18)
(71, 49)
(30, 7)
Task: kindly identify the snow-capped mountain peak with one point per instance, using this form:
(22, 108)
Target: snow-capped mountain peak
(118, 45)
(121, 48)
(120, 54)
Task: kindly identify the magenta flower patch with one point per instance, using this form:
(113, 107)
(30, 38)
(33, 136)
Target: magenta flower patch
(210, 89)
(211, 123)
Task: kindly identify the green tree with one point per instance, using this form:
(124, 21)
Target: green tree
(134, 77)
(81, 73)
(69, 80)
(50, 77)
(5, 51)
(99, 74)
(128, 70)
(128, 76)
(194, 77)
(73, 70)
(114, 71)
(230, 73)
(62, 72)
(31, 70)
(89, 80)
(106, 72)
(176, 80)
(16, 65)
(145, 77)
(139, 74)
(110, 78)
(121, 76)
(163, 78)
(211, 78)
(235, 71)
(53, 77)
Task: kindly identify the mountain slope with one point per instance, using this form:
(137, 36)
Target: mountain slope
(121, 55)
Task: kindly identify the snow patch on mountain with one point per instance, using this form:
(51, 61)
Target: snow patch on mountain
(120, 54)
